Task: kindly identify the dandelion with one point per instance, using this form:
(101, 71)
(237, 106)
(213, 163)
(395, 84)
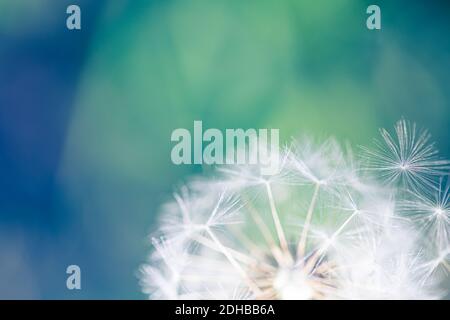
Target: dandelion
(431, 211)
(408, 157)
(324, 227)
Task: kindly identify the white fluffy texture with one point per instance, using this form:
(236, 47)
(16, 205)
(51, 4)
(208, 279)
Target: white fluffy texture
(328, 226)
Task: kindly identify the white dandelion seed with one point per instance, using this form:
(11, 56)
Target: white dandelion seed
(162, 278)
(431, 212)
(408, 157)
(322, 228)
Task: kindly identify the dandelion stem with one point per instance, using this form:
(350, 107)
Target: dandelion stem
(446, 265)
(276, 220)
(317, 255)
(262, 227)
(260, 224)
(302, 243)
(346, 222)
(234, 263)
(238, 256)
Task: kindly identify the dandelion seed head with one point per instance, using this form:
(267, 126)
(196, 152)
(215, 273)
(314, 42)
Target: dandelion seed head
(326, 226)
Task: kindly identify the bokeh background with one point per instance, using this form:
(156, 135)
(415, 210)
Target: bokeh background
(86, 116)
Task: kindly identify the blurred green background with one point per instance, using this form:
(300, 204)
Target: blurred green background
(104, 101)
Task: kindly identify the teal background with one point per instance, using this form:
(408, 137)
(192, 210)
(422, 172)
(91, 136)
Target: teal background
(86, 116)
